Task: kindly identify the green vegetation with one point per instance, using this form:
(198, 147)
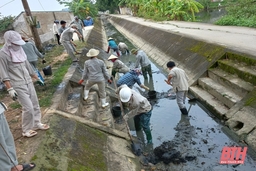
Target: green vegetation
(251, 99)
(89, 149)
(59, 69)
(239, 58)
(15, 105)
(166, 9)
(240, 13)
(5, 22)
(81, 8)
(111, 5)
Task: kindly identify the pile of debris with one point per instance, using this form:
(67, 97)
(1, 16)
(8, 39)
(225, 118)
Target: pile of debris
(167, 153)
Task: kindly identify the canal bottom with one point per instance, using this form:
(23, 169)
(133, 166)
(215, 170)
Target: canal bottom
(197, 134)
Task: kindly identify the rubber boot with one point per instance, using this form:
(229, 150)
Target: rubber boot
(86, 93)
(149, 136)
(137, 123)
(104, 103)
(184, 111)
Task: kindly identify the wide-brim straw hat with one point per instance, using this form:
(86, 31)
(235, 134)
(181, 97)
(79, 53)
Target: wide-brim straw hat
(110, 38)
(92, 53)
(112, 57)
(134, 51)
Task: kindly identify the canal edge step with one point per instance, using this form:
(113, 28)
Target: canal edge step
(225, 90)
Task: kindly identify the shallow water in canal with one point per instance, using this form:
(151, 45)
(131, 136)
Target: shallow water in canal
(198, 134)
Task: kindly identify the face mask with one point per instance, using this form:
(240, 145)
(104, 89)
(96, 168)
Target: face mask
(15, 47)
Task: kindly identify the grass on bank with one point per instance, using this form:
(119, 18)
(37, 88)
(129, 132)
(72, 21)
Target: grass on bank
(59, 69)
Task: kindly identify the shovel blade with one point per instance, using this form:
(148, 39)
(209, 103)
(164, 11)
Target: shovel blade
(136, 149)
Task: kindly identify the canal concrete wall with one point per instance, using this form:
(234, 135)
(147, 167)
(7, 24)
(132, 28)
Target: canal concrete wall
(221, 76)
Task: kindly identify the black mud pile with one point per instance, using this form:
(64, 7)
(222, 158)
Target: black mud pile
(167, 153)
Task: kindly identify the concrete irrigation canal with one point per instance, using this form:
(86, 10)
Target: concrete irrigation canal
(85, 137)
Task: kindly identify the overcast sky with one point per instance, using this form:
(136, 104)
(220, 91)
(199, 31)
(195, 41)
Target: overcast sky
(15, 7)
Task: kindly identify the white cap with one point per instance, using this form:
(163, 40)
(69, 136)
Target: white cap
(125, 94)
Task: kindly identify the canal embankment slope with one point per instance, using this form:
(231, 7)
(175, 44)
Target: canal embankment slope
(219, 60)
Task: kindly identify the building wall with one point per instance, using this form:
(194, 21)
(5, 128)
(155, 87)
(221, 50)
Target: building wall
(125, 10)
(46, 22)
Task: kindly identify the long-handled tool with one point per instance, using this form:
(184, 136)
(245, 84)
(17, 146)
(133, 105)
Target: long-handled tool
(136, 148)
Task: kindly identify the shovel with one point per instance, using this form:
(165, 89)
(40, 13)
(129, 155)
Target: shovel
(136, 148)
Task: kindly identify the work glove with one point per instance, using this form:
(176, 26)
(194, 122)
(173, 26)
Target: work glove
(12, 93)
(40, 82)
(80, 81)
(43, 61)
(109, 81)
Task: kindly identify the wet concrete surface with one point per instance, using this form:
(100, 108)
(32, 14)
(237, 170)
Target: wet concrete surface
(198, 135)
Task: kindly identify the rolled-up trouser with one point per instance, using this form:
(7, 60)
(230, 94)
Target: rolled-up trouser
(146, 70)
(181, 97)
(69, 48)
(6, 140)
(101, 86)
(31, 114)
(81, 32)
(143, 120)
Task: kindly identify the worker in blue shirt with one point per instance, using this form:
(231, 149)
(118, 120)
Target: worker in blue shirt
(130, 78)
(112, 45)
(88, 21)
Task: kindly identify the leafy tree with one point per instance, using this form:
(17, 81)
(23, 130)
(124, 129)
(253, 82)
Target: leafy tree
(205, 3)
(168, 9)
(192, 7)
(111, 5)
(81, 8)
(5, 22)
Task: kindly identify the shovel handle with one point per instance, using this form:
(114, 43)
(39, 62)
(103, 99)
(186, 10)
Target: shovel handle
(122, 111)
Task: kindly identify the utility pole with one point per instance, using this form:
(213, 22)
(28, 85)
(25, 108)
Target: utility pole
(32, 23)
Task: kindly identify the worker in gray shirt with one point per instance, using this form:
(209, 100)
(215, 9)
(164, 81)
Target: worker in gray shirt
(143, 61)
(32, 53)
(80, 26)
(17, 74)
(61, 29)
(66, 40)
(118, 66)
(179, 80)
(95, 72)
